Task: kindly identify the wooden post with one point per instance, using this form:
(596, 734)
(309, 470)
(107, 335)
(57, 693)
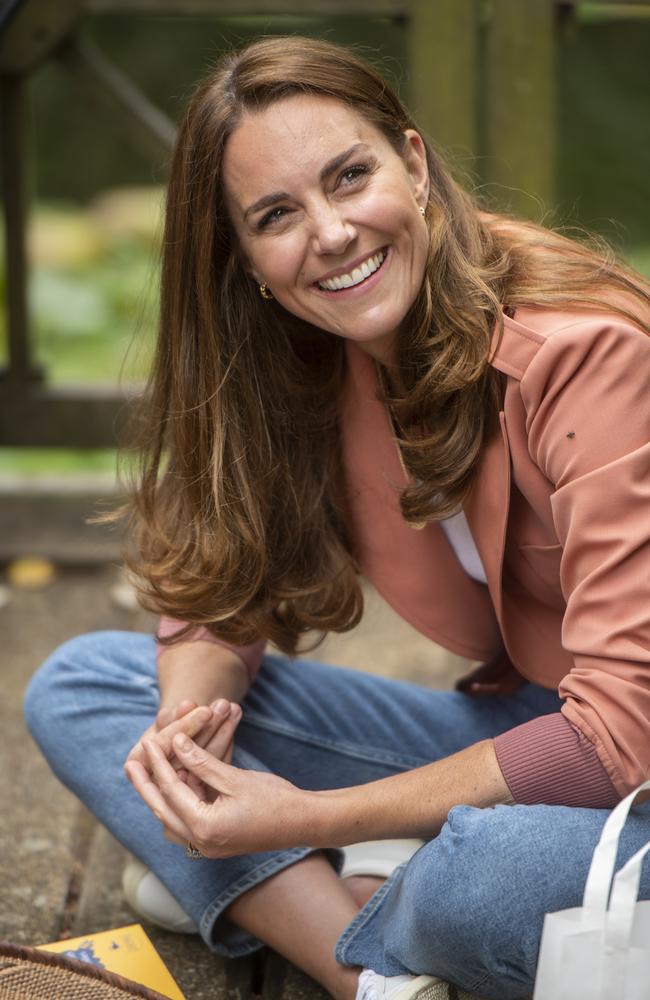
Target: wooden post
(519, 105)
(13, 129)
(443, 74)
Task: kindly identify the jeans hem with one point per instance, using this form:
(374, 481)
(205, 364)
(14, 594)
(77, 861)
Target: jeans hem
(252, 878)
(362, 918)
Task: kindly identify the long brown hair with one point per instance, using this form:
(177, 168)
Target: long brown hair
(238, 513)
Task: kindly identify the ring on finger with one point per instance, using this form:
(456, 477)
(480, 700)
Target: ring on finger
(192, 852)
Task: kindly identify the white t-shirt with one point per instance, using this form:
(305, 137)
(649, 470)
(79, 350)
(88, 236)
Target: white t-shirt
(460, 538)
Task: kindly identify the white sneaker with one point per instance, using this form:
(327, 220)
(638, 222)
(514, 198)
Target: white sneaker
(372, 986)
(377, 857)
(146, 894)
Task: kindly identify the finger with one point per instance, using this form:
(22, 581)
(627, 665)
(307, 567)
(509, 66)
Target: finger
(221, 713)
(137, 752)
(170, 713)
(173, 839)
(150, 793)
(197, 787)
(221, 743)
(183, 708)
(189, 724)
(179, 798)
(213, 772)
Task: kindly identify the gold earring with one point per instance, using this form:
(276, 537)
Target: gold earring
(265, 292)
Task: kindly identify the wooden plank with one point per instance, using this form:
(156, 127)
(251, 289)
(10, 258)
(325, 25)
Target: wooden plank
(48, 519)
(519, 105)
(15, 185)
(443, 64)
(65, 416)
(373, 8)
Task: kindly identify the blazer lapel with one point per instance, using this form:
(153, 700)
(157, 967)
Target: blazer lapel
(416, 571)
(487, 508)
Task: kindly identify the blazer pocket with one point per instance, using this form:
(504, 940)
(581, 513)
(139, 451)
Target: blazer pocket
(540, 569)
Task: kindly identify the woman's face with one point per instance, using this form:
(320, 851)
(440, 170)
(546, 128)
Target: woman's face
(327, 214)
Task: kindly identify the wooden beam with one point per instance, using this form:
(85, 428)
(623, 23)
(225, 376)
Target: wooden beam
(63, 416)
(443, 67)
(15, 185)
(519, 105)
(221, 8)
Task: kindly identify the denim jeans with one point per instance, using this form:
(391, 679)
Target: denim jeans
(468, 907)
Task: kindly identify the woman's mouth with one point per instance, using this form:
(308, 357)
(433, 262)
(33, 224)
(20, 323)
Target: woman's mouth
(357, 276)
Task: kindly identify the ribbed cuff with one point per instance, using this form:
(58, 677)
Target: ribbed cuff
(251, 656)
(549, 761)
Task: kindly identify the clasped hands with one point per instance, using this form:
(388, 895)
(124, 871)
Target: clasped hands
(182, 769)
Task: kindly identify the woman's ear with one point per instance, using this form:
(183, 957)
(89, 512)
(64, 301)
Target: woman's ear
(415, 158)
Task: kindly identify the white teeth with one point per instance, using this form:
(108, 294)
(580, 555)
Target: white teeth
(358, 274)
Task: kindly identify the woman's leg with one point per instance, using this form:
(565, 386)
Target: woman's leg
(319, 726)
(469, 906)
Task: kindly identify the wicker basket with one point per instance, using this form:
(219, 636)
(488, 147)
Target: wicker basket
(29, 974)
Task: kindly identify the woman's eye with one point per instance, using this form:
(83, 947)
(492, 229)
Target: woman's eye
(352, 174)
(273, 216)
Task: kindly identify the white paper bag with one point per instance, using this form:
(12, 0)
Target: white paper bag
(593, 952)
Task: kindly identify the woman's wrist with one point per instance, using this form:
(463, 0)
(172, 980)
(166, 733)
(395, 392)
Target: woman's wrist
(202, 672)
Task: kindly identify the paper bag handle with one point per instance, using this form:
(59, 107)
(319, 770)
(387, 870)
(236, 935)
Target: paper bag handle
(601, 871)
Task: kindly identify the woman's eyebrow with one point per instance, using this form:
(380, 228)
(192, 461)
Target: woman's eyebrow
(337, 161)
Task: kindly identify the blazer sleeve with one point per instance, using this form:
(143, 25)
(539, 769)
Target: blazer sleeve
(587, 399)
(251, 656)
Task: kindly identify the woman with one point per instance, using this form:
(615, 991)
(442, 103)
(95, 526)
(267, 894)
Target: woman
(357, 368)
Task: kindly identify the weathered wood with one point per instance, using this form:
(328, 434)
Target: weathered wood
(443, 67)
(48, 517)
(65, 416)
(373, 8)
(519, 110)
(15, 183)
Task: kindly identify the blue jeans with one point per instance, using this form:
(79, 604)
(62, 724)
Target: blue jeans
(468, 907)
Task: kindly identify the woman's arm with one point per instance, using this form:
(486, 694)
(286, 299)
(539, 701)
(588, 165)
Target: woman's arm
(257, 811)
(200, 671)
(190, 674)
(413, 804)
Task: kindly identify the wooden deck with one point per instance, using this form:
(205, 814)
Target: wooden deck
(59, 870)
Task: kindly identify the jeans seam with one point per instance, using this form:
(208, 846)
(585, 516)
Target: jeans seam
(353, 750)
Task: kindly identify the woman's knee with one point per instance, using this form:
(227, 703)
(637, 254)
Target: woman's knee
(469, 912)
(79, 674)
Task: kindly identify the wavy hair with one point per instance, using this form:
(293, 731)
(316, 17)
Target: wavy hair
(237, 513)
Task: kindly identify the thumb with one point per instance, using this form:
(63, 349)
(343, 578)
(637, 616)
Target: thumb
(212, 771)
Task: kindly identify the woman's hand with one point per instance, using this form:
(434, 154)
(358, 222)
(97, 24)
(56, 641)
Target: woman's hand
(247, 811)
(212, 727)
(204, 723)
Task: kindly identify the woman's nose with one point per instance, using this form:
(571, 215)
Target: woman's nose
(332, 233)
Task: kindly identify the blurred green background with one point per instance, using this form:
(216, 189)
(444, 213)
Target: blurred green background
(96, 220)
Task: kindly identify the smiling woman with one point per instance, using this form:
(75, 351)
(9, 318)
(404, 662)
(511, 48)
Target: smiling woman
(340, 211)
(359, 369)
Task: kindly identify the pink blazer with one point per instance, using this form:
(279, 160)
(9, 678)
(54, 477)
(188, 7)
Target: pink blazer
(560, 514)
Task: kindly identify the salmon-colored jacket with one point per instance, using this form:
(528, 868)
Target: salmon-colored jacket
(560, 514)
